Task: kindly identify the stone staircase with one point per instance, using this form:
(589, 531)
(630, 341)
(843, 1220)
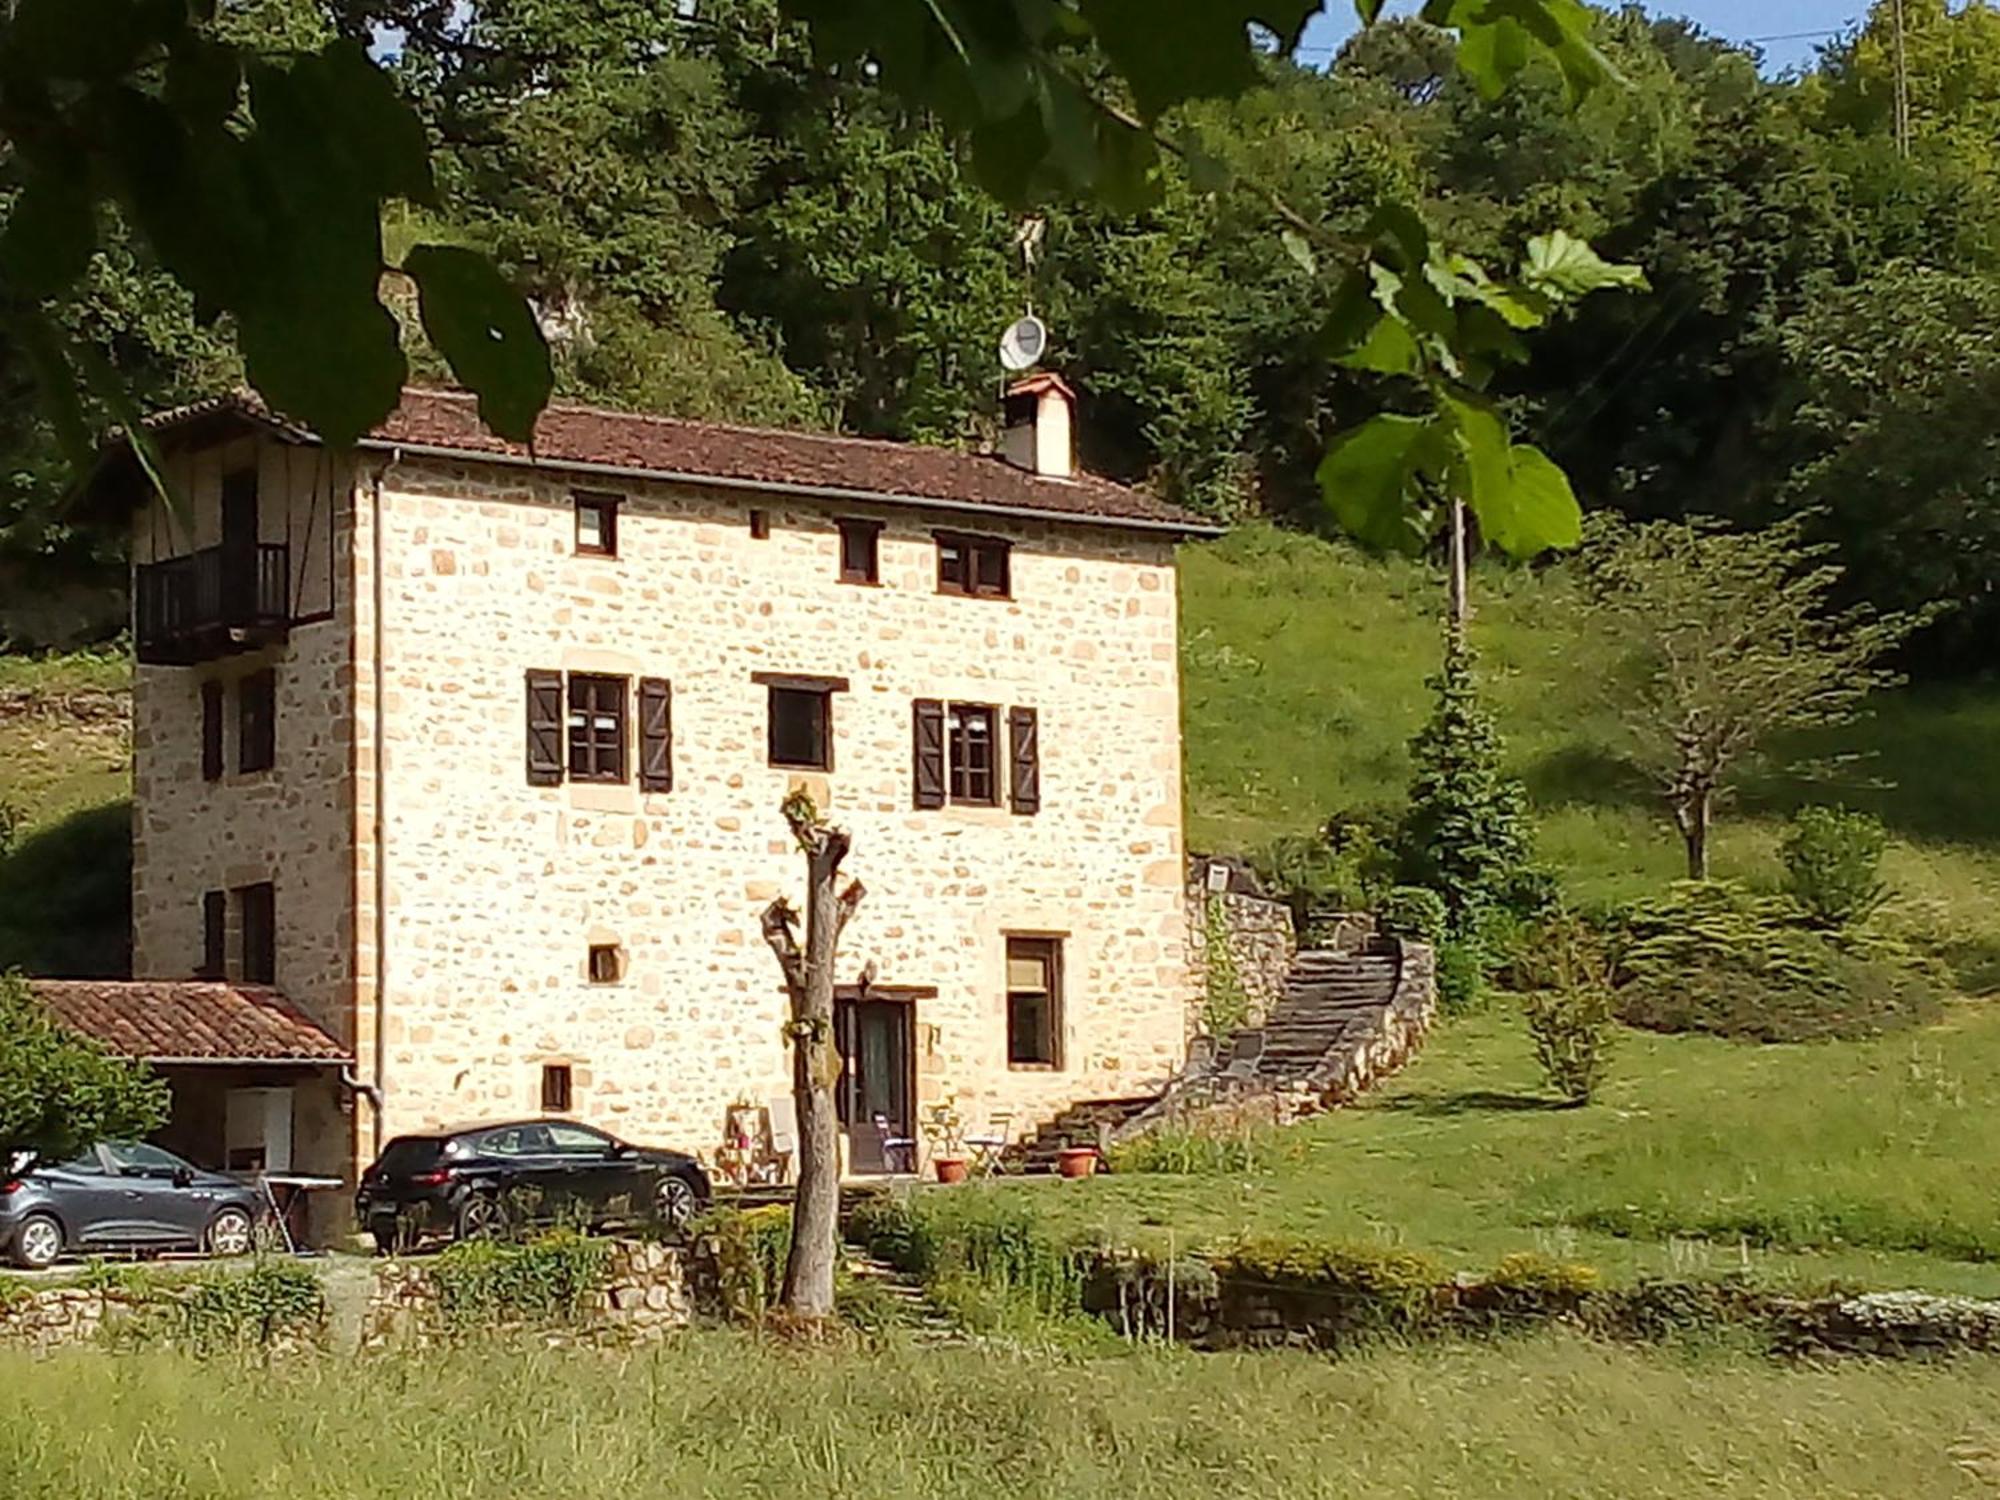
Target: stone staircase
(1333, 1003)
(1088, 1122)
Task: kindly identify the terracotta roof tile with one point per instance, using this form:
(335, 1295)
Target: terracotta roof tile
(188, 1020)
(567, 434)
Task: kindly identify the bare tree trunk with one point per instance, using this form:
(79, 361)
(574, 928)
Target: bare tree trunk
(1694, 810)
(1459, 606)
(809, 1268)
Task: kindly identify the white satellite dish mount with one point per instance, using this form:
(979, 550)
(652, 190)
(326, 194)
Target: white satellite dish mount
(1024, 343)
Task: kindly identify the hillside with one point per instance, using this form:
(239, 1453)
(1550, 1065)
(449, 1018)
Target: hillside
(1303, 669)
(1304, 665)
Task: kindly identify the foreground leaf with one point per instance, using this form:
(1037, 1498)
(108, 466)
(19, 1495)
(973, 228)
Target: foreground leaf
(487, 334)
(1369, 480)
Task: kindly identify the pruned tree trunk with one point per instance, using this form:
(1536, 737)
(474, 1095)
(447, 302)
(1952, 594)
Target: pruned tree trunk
(1694, 811)
(1460, 607)
(809, 978)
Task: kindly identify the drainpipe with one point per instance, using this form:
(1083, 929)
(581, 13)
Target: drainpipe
(381, 831)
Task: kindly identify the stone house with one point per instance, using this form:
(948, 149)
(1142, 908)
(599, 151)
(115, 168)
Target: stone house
(468, 759)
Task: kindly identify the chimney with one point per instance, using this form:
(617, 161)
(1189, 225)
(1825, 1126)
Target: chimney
(1037, 434)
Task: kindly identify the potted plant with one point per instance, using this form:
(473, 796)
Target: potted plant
(946, 1129)
(1076, 1161)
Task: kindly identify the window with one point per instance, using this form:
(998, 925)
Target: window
(760, 524)
(577, 1140)
(519, 1140)
(596, 728)
(211, 731)
(597, 525)
(975, 565)
(971, 750)
(257, 908)
(1034, 1002)
(801, 731)
(214, 935)
(257, 722)
(555, 1088)
(860, 560)
(137, 1159)
(607, 963)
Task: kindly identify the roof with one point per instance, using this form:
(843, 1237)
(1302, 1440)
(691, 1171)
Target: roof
(445, 423)
(189, 1020)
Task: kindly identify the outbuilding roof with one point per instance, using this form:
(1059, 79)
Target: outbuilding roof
(445, 423)
(189, 1020)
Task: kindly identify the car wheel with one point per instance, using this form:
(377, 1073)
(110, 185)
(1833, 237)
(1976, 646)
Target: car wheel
(480, 1217)
(38, 1243)
(229, 1233)
(675, 1203)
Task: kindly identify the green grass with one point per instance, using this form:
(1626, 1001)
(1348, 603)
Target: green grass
(1867, 1163)
(719, 1415)
(1304, 665)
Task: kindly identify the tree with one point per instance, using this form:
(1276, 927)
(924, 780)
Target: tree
(1735, 641)
(809, 1266)
(60, 1092)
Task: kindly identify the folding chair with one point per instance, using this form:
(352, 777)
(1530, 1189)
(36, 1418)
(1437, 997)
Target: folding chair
(988, 1149)
(895, 1146)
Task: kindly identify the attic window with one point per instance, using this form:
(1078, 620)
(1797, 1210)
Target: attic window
(597, 525)
(860, 551)
(556, 1093)
(760, 524)
(976, 565)
(607, 963)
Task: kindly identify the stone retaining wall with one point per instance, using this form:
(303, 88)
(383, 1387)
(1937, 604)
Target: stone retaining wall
(1259, 939)
(645, 1294)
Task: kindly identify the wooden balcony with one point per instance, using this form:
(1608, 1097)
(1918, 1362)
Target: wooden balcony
(212, 603)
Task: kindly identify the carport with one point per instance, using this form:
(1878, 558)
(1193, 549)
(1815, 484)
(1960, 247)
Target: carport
(255, 1081)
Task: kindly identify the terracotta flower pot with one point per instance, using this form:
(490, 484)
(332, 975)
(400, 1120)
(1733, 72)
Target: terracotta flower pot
(949, 1168)
(1076, 1161)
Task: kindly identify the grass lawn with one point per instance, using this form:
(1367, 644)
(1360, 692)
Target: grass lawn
(718, 1415)
(1869, 1163)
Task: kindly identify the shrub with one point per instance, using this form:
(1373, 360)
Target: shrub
(967, 1238)
(548, 1279)
(1351, 1288)
(1344, 867)
(1833, 864)
(1415, 912)
(1225, 1008)
(1569, 1007)
(1461, 976)
(1465, 833)
(748, 1248)
(217, 1310)
(1199, 1150)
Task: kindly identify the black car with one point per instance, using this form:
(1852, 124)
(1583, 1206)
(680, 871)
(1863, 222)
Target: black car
(488, 1179)
(122, 1195)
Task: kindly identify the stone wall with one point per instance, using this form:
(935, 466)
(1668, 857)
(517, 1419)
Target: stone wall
(645, 1295)
(1258, 940)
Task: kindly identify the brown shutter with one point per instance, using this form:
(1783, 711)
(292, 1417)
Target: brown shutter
(929, 728)
(1024, 760)
(656, 735)
(211, 731)
(214, 934)
(545, 728)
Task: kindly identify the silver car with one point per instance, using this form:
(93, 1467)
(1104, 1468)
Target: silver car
(122, 1195)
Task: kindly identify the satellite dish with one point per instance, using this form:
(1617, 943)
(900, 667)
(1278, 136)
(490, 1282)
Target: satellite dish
(1022, 345)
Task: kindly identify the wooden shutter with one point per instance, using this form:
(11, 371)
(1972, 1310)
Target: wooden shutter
(214, 934)
(211, 731)
(545, 728)
(928, 722)
(1024, 760)
(656, 735)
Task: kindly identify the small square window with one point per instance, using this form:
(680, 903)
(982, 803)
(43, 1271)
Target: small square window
(607, 963)
(860, 560)
(596, 728)
(974, 565)
(597, 525)
(1034, 1002)
(802, 728)
(760, 524)
(556, 1091)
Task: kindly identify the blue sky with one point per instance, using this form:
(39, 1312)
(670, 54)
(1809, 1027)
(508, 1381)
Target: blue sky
(1779, 20)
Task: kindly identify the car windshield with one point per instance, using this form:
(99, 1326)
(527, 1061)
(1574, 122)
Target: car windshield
(137, 1156)
(410, 1154)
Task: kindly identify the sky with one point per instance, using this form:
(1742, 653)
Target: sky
(1775, 25)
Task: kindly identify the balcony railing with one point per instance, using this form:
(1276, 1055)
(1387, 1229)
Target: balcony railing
(213, 603)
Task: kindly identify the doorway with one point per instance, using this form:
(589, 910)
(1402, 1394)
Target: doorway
(239, 545)
(878, 1082)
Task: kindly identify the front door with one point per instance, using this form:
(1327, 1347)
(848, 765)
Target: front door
(877, 1083)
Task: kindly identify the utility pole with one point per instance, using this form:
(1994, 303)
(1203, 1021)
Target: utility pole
(1902, 115)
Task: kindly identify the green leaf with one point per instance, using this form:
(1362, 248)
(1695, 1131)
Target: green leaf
(1171, 51)
(1388, 350)
(204, 80)
(1497, 38)
(111, 387)
(1369, 11)
(1354, 315)
(49, 235)
(1563, 267)
(1404, 227)
(1300, 249)
(487, 333)
(1523, 501)
(1368, 481)
(335, 114)
(79, 39)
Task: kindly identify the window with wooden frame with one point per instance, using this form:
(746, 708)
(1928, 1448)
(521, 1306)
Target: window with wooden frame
(760, 525)
(607, 963)
(801, 719)
(211, 731)
(979, 566)
(596, 727)
(972, 754)
(1034, 1002)
(860, 551)
(596, 524)
(257, 915)
(257, 721)
(557, 1090)
(214, 935)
